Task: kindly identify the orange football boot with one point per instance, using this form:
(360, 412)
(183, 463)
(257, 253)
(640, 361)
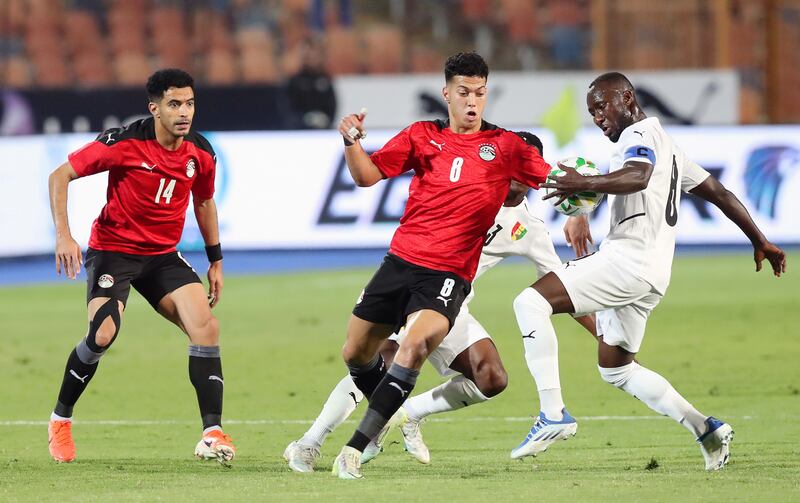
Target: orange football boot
(59, 439)
(215, 445)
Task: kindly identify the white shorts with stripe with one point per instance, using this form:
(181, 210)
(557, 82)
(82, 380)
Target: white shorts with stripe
(600, 283)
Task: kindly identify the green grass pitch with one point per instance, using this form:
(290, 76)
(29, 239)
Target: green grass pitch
(726, 337)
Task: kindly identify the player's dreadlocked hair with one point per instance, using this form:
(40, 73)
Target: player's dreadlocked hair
(162, 80)
(467, 64)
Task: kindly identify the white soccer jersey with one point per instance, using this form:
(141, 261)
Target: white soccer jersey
(517, 233)
(643, 223)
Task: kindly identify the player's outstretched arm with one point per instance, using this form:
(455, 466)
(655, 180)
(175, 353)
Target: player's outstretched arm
(714, 192)
(362, 169)
(632, 177)
(68, 251)
(578, 234)
(205, 212)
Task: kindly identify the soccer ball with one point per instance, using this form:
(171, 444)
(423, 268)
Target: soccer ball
(581, 203)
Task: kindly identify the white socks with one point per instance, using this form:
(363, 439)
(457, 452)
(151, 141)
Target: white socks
(657, 393)
(56, 417)
(340, 404)
(541, 349)
(457, 393)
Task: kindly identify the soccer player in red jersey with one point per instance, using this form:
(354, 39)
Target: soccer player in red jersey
(463, 168)
(153, 165)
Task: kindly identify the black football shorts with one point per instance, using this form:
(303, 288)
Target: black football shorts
(400, 288)
(111, 274)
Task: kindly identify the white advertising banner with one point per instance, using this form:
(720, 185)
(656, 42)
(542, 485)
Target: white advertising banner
(697, 97)
(292, 190)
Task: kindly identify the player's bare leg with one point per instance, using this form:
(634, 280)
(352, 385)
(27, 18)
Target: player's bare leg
(425, 329)
(618, 367)
(105, 317)
(188, 308)
(482, 377)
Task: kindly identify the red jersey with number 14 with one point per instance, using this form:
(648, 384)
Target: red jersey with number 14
(148, 186)
(460, 182)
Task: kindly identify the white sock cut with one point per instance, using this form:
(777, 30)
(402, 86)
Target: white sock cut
(541, 349)
(457, 393)
(340, 404)
(657, 393)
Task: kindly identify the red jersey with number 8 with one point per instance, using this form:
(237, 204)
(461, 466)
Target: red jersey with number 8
(460, 182)
(148, 186)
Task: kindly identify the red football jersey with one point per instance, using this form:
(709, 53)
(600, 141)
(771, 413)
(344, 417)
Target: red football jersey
(460, 181)
(148, 186)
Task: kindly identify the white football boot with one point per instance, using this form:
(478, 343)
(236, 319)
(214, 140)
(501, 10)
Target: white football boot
(412, 438)
(715, 443)
(347, 464)
(301, 458)
(543, 433)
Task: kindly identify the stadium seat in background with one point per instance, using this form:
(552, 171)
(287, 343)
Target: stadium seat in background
(343, 51)
(169, 37)
(89, 52)
(91, 69)
(520, 16)
(17, 72)
(257, 55)
(425, 59)
(221, 68)
(383, 49)
(521, 28)
(51, 70)
(130, 68)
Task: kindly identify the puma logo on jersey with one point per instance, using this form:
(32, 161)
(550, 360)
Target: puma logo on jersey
(109, 139)
(438, 145)
(353, 396)
(639, 133)
(445, 301)
(148, 168)
(403, 392)
(530, 335)
(76, 376)
(216, 378)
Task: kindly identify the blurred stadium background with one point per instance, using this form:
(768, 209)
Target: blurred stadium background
(725, 73)
(273, 77)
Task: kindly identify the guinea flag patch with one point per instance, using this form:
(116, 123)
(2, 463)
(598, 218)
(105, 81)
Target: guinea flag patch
(518, 231)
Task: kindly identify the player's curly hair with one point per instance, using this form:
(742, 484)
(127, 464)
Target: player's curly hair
(162, 80)
(467, 64)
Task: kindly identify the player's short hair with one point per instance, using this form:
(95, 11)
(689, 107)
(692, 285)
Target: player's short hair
(159, 82)
(467, 64)
(616, 79)
(532, 140)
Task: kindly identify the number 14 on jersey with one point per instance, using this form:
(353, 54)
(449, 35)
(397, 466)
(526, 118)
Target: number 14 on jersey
(165, 192)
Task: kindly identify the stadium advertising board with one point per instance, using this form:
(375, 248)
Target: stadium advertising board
(697, 97)
(292, 190)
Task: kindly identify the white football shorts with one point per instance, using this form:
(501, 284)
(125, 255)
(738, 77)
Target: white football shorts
(600, 283)
(466, 331)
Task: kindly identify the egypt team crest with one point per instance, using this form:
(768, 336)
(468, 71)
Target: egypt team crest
(190, 168)
(487, 151)
(105, 281)
(518, 232)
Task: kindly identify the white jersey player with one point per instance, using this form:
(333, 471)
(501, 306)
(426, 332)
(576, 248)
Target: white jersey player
(630, 273)
(467, 352)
